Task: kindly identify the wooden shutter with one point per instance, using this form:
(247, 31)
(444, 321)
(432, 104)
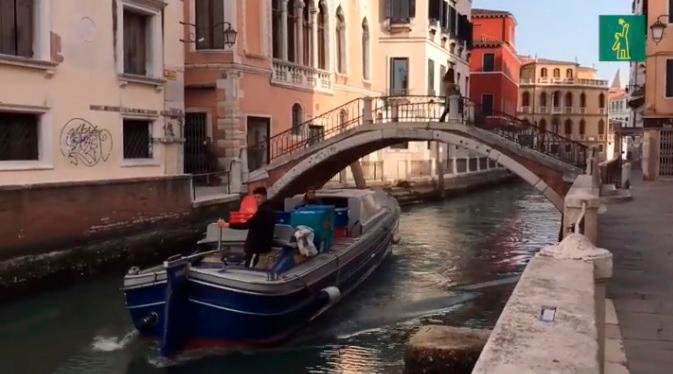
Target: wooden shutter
(7, 35)
(669, 78)
(412, 8)
(135, 48)
(202, 24)
(217, 17)
(24, 28)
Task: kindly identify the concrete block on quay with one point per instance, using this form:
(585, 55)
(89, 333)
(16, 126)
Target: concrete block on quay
(444, 349)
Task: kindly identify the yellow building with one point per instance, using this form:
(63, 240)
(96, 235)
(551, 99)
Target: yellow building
(565, 98)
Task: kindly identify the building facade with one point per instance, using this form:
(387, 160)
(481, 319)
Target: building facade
(495, 65)
(618, 119)
(297, 59)
(565, 98)
(91, 113)
(651, 91)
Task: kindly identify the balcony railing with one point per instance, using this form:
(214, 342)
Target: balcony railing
(566, 81)
(543, 109)
(288, 73)
(601, 110)
(525, 109)
(556, 110)
(583, 110)
(569, 110)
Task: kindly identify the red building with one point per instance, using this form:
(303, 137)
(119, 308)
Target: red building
(494, 65)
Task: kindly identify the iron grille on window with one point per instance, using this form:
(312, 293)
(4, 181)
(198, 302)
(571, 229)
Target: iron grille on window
(137, 139)
(18, 137)
(16, 27)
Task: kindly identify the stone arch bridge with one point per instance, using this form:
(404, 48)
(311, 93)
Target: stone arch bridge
(312, 153)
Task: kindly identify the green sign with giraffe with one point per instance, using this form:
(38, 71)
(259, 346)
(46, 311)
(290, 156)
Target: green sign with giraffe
(622, 38)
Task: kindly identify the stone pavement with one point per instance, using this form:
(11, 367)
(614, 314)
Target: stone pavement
(640, 235)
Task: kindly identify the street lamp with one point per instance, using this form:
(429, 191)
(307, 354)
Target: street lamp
(657, 29)
(229, 33)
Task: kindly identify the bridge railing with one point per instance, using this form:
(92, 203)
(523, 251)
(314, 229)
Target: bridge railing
(409, 108)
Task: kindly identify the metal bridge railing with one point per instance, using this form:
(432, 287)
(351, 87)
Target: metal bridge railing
(409, 108)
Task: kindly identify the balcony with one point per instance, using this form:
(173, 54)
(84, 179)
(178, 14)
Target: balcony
(568, 110)
(543, 110)
(565, 81)
(525, 109)
(583, 110)
(299, 76)
(556, 110)
(602, 111)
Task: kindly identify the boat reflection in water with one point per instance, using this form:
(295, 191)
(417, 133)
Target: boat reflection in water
(210, 300)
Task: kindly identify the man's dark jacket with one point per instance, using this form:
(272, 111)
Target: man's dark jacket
(260, 230)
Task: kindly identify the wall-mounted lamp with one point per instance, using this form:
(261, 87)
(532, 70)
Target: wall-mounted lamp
(657, 29)
(229, 33)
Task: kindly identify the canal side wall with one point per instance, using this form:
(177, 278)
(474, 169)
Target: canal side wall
(59, 232)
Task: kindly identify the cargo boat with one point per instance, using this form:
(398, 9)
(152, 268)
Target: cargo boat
(210, 300)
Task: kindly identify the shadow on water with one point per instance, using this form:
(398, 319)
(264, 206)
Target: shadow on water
(456, 265)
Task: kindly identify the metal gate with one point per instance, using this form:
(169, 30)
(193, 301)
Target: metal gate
(196, 145)
(666, 153)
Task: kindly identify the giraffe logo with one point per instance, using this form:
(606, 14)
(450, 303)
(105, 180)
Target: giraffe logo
(621, 45)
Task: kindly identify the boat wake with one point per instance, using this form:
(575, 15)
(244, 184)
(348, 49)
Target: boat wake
(112, 343)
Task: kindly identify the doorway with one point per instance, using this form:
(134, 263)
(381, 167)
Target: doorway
(257, 136)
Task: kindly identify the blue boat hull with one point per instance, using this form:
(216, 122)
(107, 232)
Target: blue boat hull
(215, 316)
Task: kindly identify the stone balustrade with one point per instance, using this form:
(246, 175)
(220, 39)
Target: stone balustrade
(295, 75)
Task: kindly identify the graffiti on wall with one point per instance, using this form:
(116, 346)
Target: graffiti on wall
(83, 143)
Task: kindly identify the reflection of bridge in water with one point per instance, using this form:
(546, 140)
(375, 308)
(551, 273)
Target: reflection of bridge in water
(321, 147)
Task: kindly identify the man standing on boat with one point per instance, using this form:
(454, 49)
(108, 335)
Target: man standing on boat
(260, 228)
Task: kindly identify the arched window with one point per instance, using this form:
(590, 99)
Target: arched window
(543, 125)
(601, 127)
(555, 125)
(568, 127)
(297, 118)
(365, 49)
(543, 73)
(341, 41)
(291, 30)
(525, 99)
(556, 99)
(543, 99)
(322, 20)
(601, 101)
(583, 100)
(452, 48)
(306, 35)
(569, 73)
(276, 23)
(583, 127)
(557, 73)
(569, 100)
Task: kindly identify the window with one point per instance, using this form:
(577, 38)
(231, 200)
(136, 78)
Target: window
(442, 87)
(543, 125)
(556, 99)
(435, 10)
(669, 77)
(453, 21)
(525, 99)
(489, 62)
(365, 49)
(401, 11)
(600, 148)
(555, 125)
(297, 118)
(322, 52)
(583, 100)
(569, 73)
(543, 99)
(341, 41)
(431, 77)
(487, 104)
(404, 145)
(569, 100)
(291, 31)
(275, 25)
(16, 28)
(135, 42)
(399, 75)
(209, 24)
(568, 127)
(583, 127)
(19, 136)
(601, 127)
(543, 73)
(557, 73)
(601, 101)
(137, 139)
(306, 35)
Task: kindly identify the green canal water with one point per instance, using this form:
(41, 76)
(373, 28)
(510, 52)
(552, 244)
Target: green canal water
(481, 240)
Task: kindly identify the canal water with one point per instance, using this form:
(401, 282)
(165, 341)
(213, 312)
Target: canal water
(456, 265)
